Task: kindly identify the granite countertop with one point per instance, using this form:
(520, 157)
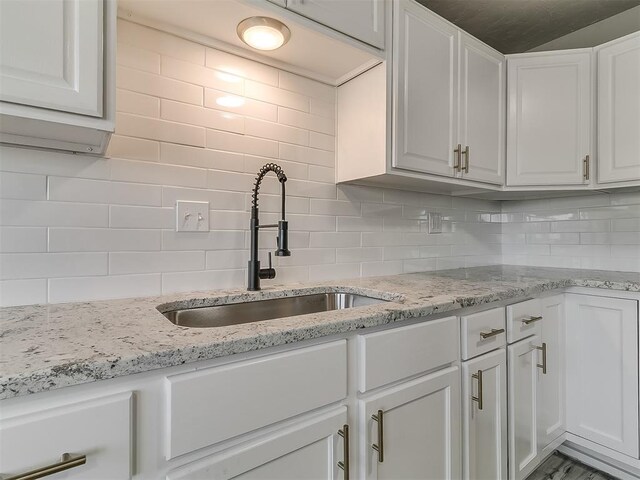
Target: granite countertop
(44, 347)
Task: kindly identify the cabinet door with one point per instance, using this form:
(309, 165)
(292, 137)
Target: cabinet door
(309, 450)
(551, 399)
(523, 410)
(425, 82)
(482, 110)
(51, 54)
(619, 110)
(360, 19)
(602, 371)
(549, 121)
(421, 434)
(485, 430)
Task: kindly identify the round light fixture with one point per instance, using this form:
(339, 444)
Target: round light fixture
(263, 33)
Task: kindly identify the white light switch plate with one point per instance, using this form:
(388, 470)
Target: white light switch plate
(192, 216)
(435, 223)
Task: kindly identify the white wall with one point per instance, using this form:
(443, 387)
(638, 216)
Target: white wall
(76, 228)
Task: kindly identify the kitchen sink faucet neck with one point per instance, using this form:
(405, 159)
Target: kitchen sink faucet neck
(255, 273)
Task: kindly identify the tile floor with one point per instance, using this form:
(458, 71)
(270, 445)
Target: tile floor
(561, 467)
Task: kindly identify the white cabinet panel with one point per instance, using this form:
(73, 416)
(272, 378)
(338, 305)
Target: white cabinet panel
(602, 371)
(308, 451)
(551, 404)
(212, 405)
(485, 430)
(421, 437)
(360, 19)
(619, 110)
(523, 411)
(426, 66)
(549, 120)
(482, 332)
(101, 429)
(482, 111)
(415, 349)
(51, 54)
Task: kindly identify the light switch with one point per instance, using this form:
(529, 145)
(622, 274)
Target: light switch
(192, 216)
(435, 223)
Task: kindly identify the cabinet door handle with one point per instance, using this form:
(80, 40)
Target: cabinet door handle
(467, 153)
(530, 320)
(66, 462)
(587, 167)
(379, 447)
(543, 365)
(458, 165)
(492, 333)
(478, 398)
(344, 465)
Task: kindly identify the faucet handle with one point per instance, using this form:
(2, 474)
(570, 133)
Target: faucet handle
(268, 273)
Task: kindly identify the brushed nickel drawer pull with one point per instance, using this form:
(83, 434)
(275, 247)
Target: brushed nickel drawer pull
(543, 365)
(467, 153)
(458, 165)
(492, 333)
(66, 462)
(344, 464)
(587, 167)
(530, 320)
(379, 447)
(478, 376)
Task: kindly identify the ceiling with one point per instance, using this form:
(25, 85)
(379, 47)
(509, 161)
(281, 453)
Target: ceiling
(515, 26)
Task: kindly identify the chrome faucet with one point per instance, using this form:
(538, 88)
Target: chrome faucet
(255, 272)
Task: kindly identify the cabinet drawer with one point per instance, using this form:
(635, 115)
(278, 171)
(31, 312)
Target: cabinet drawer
(482, 332)
(212, 405)
(99, 429)
(384, 357)
(523, 320)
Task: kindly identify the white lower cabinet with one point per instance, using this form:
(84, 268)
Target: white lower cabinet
(523, 407)
(96, 435)
(310, 450)
(551, 405)
(602, 371)
(484, 416)
(416, 429)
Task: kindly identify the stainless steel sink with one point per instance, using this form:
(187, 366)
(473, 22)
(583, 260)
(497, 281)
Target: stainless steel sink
(247, 312)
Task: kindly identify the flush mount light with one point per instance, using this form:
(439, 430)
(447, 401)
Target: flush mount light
(263, 33)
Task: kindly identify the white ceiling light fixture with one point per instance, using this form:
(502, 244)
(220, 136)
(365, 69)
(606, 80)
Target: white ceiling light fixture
(263, 33)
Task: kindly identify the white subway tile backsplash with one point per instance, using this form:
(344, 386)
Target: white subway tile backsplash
(196, 124)
(15, 266)
(151, 262)
(158, 86)
(201, 116)
(23, 239)
(139, 58)
(74, 289)
(49, 213)
(102, 240)
(22, 292)
(137, 103)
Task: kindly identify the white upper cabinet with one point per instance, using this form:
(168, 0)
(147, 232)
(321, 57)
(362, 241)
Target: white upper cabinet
(57, 70)
(482, 111)
(619, 110)
(59, 65)
(426, 53)
(360, 19)
(549, 121)
(602, 371)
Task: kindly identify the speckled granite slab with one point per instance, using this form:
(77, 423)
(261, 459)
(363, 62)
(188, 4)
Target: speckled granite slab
(44, 347)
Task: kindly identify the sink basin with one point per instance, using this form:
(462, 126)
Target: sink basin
(247, 312)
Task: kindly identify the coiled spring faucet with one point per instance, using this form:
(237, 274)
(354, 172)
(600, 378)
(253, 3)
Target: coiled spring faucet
(255, 272)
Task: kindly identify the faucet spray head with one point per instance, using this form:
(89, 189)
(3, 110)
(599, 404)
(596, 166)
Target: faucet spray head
(283, 239)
